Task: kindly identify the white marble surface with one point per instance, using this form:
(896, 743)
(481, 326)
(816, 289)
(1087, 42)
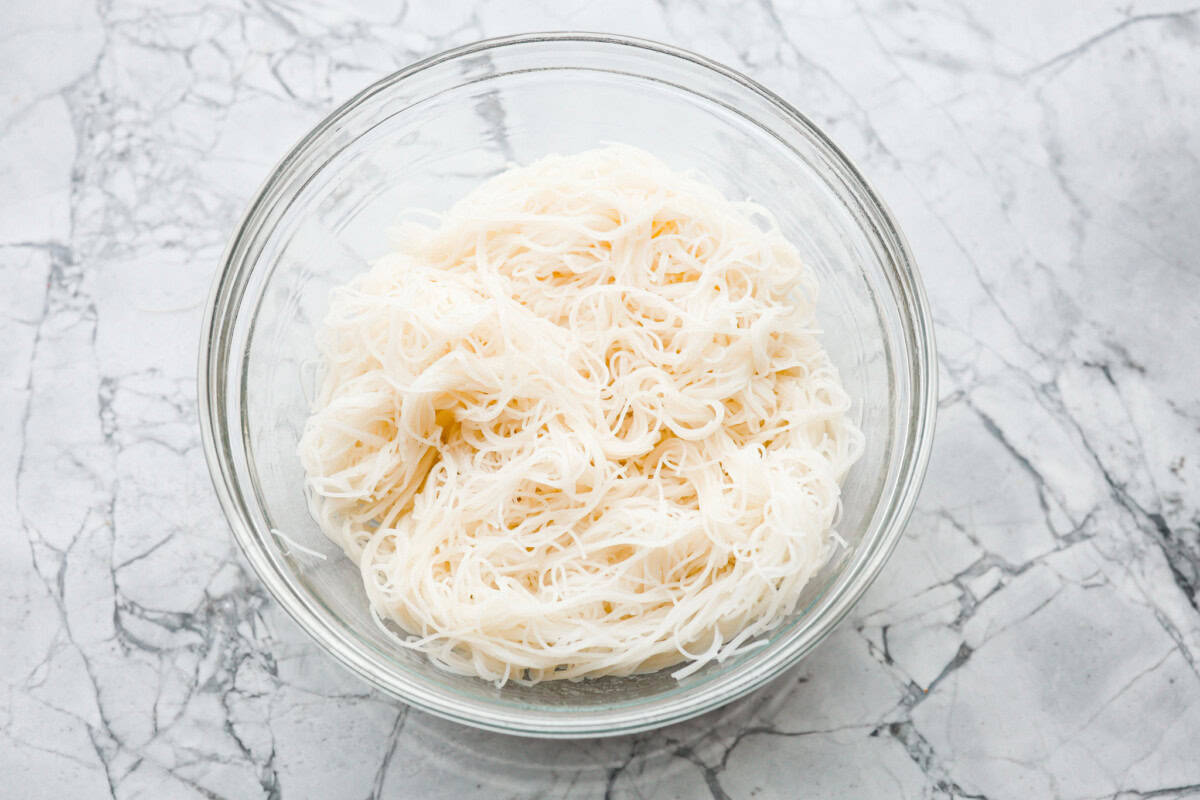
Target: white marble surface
(1035, 635)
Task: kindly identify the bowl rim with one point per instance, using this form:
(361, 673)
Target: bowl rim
(605, 721)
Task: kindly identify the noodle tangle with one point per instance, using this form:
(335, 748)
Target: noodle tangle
(583, 425)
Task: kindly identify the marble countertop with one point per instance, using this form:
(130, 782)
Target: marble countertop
(1035, 635)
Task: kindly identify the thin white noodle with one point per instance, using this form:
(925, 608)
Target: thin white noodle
(291, 544)
(582, 426)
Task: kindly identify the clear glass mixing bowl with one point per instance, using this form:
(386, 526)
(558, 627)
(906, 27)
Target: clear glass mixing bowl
(426, 136)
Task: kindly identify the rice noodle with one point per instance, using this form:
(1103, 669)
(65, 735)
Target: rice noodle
(581, 426)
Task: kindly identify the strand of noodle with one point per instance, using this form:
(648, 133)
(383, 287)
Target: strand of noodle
(292, 544)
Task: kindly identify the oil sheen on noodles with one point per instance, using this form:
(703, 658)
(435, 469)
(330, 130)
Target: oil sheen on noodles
(582, 425)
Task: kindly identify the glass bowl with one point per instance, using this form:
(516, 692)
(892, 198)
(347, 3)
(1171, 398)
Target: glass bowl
(425, 137)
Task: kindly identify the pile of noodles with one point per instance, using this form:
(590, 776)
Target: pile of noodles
(581, 426)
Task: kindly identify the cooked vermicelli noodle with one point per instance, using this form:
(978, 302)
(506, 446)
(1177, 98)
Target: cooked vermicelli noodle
(582, 425)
